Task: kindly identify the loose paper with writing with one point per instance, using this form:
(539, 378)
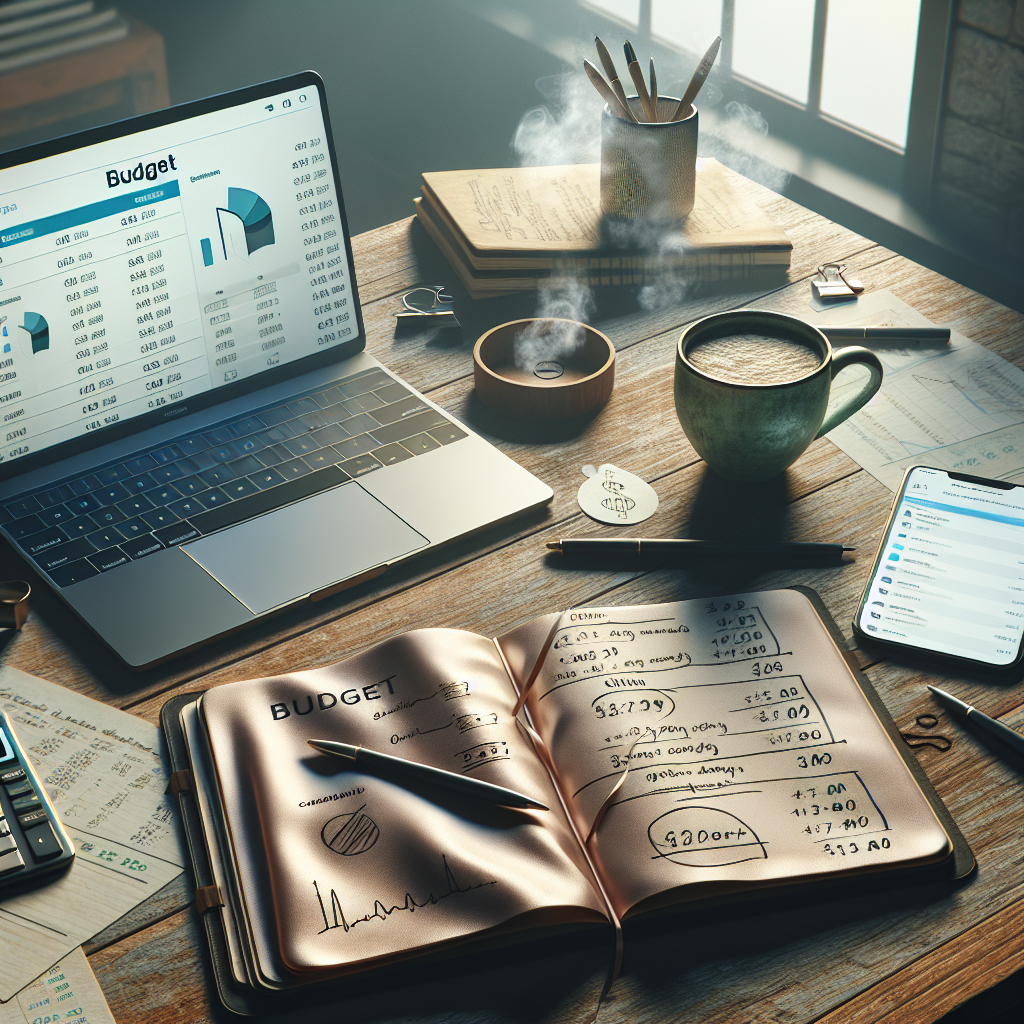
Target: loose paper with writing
(68, 991)
(105, 774)
(957, 407)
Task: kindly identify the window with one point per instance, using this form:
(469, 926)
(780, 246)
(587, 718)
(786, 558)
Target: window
(835, 77)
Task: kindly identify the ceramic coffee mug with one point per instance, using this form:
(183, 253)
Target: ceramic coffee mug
(747, 422)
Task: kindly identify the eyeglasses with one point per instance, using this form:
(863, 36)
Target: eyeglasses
(430, 301)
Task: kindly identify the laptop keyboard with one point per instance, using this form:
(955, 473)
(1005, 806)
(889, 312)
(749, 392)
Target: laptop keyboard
(204, 482)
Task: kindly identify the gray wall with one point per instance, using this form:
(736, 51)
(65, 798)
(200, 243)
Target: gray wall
(412, 86)
(979, 181)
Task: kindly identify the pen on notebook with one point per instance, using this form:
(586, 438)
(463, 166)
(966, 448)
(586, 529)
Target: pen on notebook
(371, 759)
(1013, 739)
(603, 88)
(681, 551)
(636, 73)
(916, 334)
(613, 77)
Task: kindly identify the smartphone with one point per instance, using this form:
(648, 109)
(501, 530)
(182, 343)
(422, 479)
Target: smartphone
(948, 579)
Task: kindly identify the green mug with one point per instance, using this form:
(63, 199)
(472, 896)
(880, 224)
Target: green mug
(754, 431)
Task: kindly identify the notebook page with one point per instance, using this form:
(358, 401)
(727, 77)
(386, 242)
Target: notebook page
(747, 751)
(338, 866)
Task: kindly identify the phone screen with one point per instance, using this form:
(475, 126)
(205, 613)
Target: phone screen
(950, 574)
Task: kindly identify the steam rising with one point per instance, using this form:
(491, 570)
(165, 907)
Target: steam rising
(739, 140)
(568, 299)
(567, 130)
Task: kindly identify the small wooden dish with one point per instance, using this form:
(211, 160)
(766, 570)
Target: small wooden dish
(551, 389)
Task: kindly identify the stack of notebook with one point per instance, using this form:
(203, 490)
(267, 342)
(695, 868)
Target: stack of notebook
(508, 229)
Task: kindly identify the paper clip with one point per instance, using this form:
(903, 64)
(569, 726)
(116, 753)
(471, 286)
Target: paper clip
(834, 286)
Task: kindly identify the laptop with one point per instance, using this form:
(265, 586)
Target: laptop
(193, 437)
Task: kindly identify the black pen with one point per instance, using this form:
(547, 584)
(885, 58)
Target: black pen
(391, 765)
(939, 335)
(965, 713)
(680, 552)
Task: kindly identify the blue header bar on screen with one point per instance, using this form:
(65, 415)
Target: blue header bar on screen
(960, 510)
(58, 222)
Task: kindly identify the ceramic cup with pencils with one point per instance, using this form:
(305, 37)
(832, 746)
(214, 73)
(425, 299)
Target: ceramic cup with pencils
(648, 144)
(648, 168)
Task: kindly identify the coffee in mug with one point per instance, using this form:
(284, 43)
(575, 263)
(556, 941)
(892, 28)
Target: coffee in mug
(752, 390)
(748, 358)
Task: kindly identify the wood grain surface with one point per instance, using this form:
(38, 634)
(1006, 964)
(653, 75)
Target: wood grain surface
(901, 955)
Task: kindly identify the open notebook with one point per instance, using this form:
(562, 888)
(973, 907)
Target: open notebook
(719, 745)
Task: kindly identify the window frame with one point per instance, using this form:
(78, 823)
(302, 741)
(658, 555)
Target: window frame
(907, 171)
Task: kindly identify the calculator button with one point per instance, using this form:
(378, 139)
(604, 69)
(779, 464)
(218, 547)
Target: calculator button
(30, 820)
(7, 842)
(26, 802)
(43, 842)
(12, 775)
(10, 862)
(18, 788)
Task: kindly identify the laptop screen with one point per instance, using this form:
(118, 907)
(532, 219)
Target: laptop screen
(144, 271)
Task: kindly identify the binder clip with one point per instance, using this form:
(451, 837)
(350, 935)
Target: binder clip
(14, 603)
(832, 286)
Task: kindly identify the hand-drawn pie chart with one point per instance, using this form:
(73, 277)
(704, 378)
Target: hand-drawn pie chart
(350, 834)
(704, 837)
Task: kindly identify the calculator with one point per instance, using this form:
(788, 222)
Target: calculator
(33, 843)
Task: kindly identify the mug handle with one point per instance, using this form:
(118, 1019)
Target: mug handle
(840, 360)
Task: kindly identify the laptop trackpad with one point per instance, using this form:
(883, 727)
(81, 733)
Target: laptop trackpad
(304, 547)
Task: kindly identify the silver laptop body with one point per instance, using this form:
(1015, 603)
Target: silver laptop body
(192, 435)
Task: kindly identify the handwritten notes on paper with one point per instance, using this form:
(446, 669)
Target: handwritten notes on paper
(745, 749)
(957, 407)
(103, 770)
(68, 991)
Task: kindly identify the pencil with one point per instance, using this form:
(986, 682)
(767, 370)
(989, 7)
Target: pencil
(654, 91)
(699, 75)
(605, 90)
(635, 72)
(398, 766)
(613, 77)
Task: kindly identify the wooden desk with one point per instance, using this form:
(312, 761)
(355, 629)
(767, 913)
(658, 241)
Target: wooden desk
(910, 956)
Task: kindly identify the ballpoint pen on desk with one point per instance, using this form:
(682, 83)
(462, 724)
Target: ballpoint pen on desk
(636, 73)
(906, 335)
(613, 77)
(675, 551)
(386, 764)
(697, 81)
(965, 713)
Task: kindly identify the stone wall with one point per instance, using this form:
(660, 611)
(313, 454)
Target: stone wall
(979, 181)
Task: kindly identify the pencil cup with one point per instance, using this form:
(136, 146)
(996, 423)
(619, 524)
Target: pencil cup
(648, 170)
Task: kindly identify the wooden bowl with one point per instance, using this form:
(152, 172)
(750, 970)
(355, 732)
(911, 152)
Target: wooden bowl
(553, 388)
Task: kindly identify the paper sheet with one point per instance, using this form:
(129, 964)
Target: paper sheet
(104, 772)
(68, 991)
(958, 407)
